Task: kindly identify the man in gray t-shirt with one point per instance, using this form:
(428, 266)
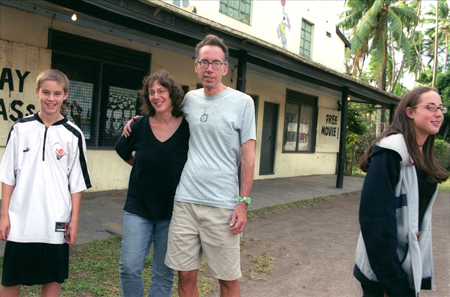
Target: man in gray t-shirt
(210, 209)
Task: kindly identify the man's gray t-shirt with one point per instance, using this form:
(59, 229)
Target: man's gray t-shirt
(219, 125)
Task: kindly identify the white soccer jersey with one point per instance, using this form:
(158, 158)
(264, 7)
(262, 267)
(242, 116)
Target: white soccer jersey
(45, 165)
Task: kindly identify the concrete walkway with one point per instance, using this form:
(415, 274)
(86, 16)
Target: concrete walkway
(102, 212)
(269, 192)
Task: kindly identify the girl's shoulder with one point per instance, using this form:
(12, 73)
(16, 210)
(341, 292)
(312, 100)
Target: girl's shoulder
(395, 142)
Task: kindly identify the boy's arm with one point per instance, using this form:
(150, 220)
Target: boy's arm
(5, 224)
(72, 229)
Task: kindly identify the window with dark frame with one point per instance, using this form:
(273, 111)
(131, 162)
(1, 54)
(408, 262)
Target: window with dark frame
(104, 83)
(300, 122)
(237, 9)
(306, 39)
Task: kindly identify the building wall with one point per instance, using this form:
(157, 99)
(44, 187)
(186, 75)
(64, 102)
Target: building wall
(322, 161)
(23, 48)
(267, 15)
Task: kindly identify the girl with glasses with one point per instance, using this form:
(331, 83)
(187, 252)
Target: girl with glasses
(394, 253)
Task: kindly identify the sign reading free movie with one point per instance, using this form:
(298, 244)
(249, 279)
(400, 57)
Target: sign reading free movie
(328, 130)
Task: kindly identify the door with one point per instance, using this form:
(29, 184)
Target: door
(269, 136)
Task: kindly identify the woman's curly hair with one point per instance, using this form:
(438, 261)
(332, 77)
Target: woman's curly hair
(176, 93)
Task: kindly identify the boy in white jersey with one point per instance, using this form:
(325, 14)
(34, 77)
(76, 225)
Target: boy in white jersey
(43, 172)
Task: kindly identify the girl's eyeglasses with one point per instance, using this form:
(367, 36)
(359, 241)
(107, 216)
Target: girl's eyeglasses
(434, 108)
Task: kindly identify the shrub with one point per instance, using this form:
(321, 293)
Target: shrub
(442, 150)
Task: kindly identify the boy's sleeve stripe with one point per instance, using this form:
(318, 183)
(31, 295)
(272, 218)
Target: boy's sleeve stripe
(82, 157)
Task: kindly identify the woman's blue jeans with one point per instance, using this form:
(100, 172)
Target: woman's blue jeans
(137, 238)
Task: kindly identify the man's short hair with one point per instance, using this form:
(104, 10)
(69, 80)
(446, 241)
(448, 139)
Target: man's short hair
(212, 40)
(53, 74)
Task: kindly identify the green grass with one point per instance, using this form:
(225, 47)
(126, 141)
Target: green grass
(261, 265)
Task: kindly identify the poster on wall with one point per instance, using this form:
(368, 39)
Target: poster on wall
(120, 109)
(291, 128)
(77, 107)
(304, 131)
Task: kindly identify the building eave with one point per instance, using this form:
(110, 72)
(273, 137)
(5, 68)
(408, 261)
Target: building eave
(168, 22)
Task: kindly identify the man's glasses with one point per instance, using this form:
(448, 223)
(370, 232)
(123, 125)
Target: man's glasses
(215, 64)
(434, 108)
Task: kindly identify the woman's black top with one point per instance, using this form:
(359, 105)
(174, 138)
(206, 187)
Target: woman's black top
(156, 171)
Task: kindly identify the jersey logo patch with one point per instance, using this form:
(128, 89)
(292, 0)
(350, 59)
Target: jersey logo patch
(59, 152)
(26, 150)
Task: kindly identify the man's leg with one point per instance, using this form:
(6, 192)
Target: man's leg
(187, 283)
(184, 251)
(229, 288)
(221, 249)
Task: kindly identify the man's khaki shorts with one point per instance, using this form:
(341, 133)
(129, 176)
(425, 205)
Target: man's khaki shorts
(199, 229)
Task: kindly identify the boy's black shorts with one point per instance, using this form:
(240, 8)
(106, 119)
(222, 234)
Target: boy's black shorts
(35, 263)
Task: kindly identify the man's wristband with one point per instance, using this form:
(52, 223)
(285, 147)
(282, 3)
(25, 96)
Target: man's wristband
(247, 200)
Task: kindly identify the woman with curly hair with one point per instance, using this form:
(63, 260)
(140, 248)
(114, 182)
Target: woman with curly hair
(157, 149)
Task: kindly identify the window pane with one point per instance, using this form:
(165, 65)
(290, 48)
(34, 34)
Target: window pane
(308, 36)
(305, 39)
(308, 27)
(77, 107)
(307, 45)
(304, 131)
(223, 8)
(237, 9)
(291, 126)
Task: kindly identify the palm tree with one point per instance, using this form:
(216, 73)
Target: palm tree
(440, 16)
(370, 22)
(415, 64)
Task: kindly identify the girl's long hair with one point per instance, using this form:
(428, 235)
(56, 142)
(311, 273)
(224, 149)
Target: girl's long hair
(404, 125)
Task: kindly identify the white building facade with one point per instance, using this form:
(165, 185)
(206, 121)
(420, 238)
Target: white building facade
(287, 55)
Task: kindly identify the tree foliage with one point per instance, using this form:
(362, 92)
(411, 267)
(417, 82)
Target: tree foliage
(370, 21)
(443, 30)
